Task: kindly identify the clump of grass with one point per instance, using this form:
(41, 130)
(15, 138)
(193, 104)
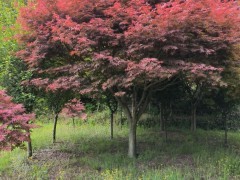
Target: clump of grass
(5, 160)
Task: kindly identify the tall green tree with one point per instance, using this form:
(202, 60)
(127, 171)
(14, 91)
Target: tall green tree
(8, 29)
(12, 70)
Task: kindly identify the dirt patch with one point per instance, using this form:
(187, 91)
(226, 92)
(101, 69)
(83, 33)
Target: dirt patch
(60, 164)
(180, 161)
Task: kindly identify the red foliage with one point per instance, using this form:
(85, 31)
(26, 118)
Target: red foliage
(121, 45)
(14, 123)
(74, 108)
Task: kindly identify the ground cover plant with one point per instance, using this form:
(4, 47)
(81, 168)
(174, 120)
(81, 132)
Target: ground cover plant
(86, 152)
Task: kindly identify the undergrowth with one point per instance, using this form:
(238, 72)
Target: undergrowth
(86, 152)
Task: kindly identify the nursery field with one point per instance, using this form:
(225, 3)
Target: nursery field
(87, 152)
(156, 84)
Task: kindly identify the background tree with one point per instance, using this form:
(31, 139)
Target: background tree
(227, 98)
(12, 82)
(74, 108)
(56, 93)
(164, 100)
(8, 29)
(112, 106)
(13, 70)
(196, 86)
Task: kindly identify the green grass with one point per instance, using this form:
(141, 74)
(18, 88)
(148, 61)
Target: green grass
(86, 152)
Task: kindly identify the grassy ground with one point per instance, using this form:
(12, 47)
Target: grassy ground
(86, 152)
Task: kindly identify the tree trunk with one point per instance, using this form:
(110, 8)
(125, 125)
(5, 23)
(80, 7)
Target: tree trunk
(73, 122)
(224, 116)
(55, 127)
(171, 112)
(29, 147)
(193, 118)
(132, 138)
(133, 114)
(98, 106)
(161, 119)
(226, 136)
(121, 120)
(111, 123)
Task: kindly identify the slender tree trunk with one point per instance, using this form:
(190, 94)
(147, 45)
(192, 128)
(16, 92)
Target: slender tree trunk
(226, 136)
(161, 119)
(121, 120)
(98, 106)
(132, 138)
(29, 147)
(165, 120)
(73, 122)
(171, 112)
(111, 123)
(224, 116)
(193, 118)
(55, 127)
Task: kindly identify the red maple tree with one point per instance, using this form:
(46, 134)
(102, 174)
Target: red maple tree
(129, 48)
(74, 108)
(14, 123)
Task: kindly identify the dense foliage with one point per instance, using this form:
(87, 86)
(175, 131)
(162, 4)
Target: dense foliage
(74, 108)
(8, 28)
(13, 70)
(15, 124)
